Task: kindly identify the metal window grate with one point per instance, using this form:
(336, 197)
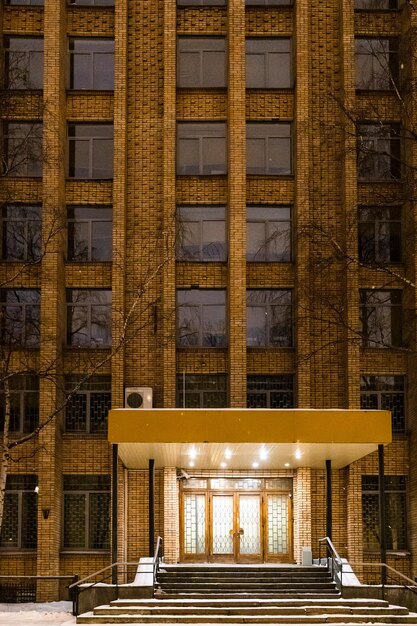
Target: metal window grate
(273, 392)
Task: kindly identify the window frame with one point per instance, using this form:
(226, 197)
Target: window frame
(202, 80)
(27, 165)
(370, 155)
(268, 80)
(27, 54)
(268, 238)
(376, 381)
(200, 218)
(199, 309)
(202, 389)
(90, 222)
(268, 308)
(191, 3)
(28, 240)
(269, 3)
(189, 131)
(70, 382)
(386, 61)
(393, 8)
(83, 491)
(266, 137)
(252, 379)
(378, 312)
(92, 3)
(21, 492)
(91, 140)
(24, 319)
(375, 494)
(22, 387)
(72, 53)
(91, 342)
(379, 223)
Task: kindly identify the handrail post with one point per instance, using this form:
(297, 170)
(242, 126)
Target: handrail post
(382, 522)
(74, 595)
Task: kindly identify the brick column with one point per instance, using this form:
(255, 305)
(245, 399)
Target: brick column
(171, 516)
(302, 511)
(52, 292)
(237, 204)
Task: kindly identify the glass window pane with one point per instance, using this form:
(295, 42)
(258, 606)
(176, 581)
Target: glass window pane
(256, 71)
(79, 158)
(80, 71)
(104, 71)
(101, 241)
(102, 166)
(78, 241)
(214, 241)
(256, 243)
(214, 155)
(75, 520)
(214, 69)
(188, 156)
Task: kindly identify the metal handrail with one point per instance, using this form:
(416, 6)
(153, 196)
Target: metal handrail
(334, 559)
(411, 587)
(156, 559)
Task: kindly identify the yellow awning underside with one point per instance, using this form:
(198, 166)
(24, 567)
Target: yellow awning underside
(298, 437)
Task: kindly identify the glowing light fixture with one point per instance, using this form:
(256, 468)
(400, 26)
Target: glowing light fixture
(191, 464)
(192, 453)
(263, 453)
(223, 464)
(255, 464)
(286, 464)
(298, 454)
(228, 453)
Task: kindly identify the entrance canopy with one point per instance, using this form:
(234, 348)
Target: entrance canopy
(246, 438)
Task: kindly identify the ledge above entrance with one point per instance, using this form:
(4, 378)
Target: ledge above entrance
(298, 437)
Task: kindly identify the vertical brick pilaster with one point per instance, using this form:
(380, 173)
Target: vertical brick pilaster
(302, 511)
(237, 204)
(171, 516)
(354, 514)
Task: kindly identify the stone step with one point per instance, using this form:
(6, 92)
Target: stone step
(241, 568)
(307, 594)
(246, 585)
(264, 602)
(124, 618)
(237, 579)
(245, 611)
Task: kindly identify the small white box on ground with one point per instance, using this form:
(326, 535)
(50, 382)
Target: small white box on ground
(307, 557)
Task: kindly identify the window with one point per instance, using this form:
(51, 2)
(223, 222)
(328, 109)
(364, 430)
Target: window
(201, 149)
(25, 2)
(376, 63)
(22, 149)
(375, 5)
(380, 234)
(90, 150)
(89, 318)
(20, 317)
(24, 404)
(379, 152)
(23, 62)
(268, 148)
(207, 391)
(86, 410)
(19, 527)
(20, 233)
(395, 512)
(268, 236)
(269, 318)
(270, 392)
(387, 393)
(270, 3)
(89, 233)
(86, 512)
(91, 63)
(381, 317)
(202, 318)
(91, 3)
(201, 233)
(201, 62)
(268, 63)
(189, 3)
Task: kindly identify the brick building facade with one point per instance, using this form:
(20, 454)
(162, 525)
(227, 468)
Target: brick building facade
(214, 194)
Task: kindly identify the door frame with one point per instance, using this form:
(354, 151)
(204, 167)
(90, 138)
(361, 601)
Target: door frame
(236, 557)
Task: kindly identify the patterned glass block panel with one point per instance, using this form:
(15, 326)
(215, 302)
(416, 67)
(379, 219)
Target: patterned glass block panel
(195, 483)
(9, 537)
(74, 520)
(222, 524)
(370, 521)
(195, 524)
(236, 483)
(280, 484)
(249, 520)
(99, 521)
(277, 524)
(100, 405)
(29, 520)
(76, 414)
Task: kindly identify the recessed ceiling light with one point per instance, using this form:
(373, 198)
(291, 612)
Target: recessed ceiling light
(298, 454)
(286, 464)
(191, 464)
(255, 464)
(228, 453)
(263, 454)
(192, 453)
(223, 464)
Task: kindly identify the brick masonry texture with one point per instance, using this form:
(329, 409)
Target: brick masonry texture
(327, 360)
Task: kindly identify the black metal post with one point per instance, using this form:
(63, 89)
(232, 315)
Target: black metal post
(382, 521)
(329, 498)
(151, 507)
(114, 480)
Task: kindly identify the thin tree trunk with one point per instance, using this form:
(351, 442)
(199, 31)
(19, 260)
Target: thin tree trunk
(5, 448)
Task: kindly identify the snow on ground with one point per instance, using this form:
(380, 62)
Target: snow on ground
(50, 614)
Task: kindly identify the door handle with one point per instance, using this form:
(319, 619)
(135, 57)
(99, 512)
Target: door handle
(241, 532)
(231, 532)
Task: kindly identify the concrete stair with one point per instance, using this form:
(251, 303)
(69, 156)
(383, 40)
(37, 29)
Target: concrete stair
(252, 595)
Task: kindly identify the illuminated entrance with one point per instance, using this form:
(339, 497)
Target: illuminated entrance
(236, 520)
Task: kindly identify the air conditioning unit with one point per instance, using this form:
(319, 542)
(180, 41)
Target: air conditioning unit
(138, 397)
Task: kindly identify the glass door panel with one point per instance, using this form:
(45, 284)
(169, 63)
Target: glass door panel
(278, 539)
(222, 525)
(249, 530)
(194, 524)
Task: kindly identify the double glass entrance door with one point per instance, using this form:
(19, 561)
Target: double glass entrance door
(235, 526)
